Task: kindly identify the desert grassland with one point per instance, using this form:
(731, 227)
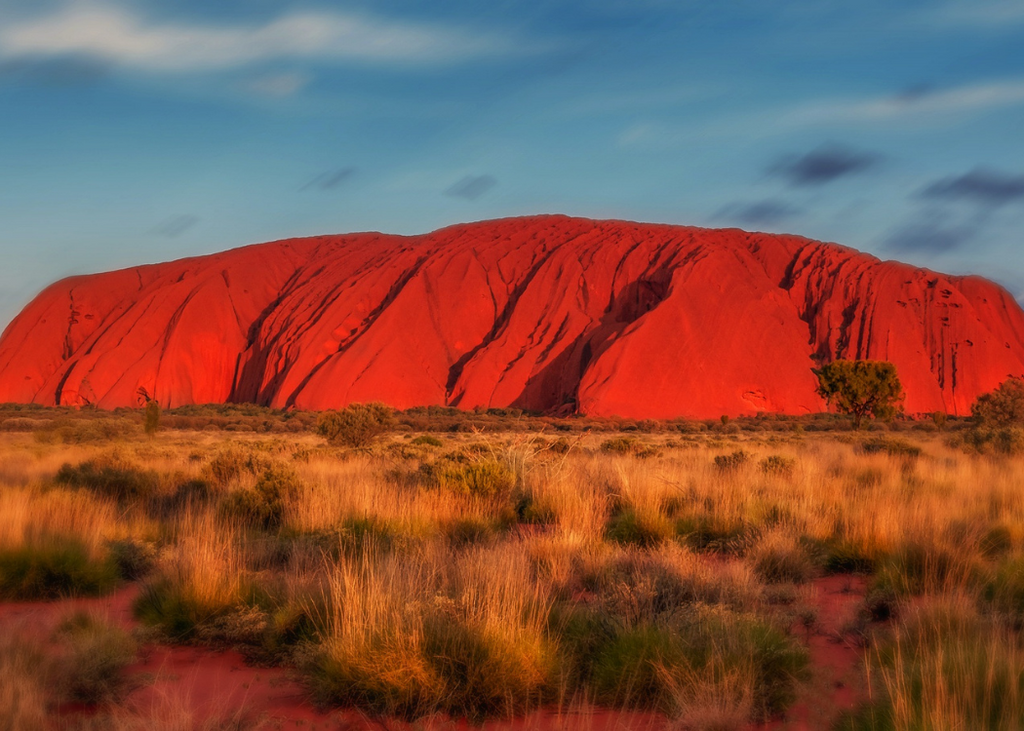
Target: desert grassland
(485, 575)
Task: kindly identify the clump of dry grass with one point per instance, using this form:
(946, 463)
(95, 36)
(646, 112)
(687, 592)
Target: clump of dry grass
(26, 674)
(946, 666)
(434, 631)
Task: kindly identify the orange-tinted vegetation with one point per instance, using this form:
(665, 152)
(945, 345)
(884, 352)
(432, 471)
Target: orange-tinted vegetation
(236, 568)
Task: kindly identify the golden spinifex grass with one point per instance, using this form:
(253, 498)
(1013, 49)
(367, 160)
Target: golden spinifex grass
(487, 575)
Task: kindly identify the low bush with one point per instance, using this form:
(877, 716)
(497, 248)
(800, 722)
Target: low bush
(231, 463)
(133, 558)
(731, 461)
(651, 666)
(484, 478)
(778, 466)
(357, 425)
(893, 447)
(778, 558)
(712, 533)
(94, 654)
(631, 528)
(628, 446)
(263, 505)
(52, 568)
(113, 476)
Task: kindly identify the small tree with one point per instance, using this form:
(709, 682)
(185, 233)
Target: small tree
(1001, 408)
(151, 417)
(357, 425)
(861, 388)
(998, 418)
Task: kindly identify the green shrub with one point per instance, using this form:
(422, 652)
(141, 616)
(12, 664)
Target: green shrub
(231, 463)
(778, 466)
(628, 446)
(467, 531)
(631, 528)
(95, 654)
(945, 667)
(357, 425)
(731, 461)
(263, 505)
(712, 533)
(486, 478)
(53, 568)
(777, 559)
(133, 559)
(846, 557)
(917, 568)
(646, 666)
(1004, 591)
(175, 611)
(112, 476)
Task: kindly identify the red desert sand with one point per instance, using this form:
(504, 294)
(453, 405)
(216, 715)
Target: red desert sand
(548, 313)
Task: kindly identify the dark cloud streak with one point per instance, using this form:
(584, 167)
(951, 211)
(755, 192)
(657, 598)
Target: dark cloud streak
(823, 165)
(981, 186)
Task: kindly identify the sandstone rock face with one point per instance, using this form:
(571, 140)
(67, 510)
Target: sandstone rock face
(546, 313)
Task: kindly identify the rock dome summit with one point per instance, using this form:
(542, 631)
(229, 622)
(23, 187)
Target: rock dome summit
(548, 313)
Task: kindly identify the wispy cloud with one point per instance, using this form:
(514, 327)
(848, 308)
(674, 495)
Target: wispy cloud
(278, 85)
(471, 187)
(329, 180)
(766, 212)
(915, 102)
(985, 13)
(175, 226)
(119, 36)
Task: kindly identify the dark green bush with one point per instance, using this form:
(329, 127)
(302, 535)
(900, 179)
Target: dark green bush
(712, 533)
(485, 478)
(263, 505)
(231, 463)
(636, 667)
(357, 425)
(133, 559)
(778, 466)
(95, 654)
(628, 446)
(53, 568)
(892, 447)
(631, 528)
(731, 461)
(112, 476)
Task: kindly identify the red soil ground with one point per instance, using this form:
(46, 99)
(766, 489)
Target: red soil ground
(204, 684)
(546, 313)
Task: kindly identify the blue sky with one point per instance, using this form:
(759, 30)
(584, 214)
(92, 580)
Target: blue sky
(141, 131)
